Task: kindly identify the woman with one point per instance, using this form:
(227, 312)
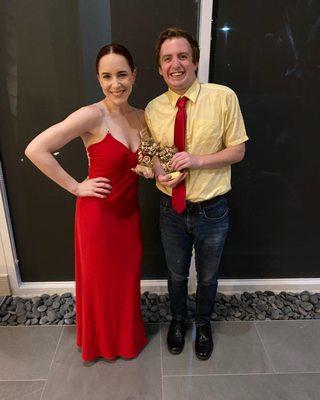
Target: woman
(107, 226)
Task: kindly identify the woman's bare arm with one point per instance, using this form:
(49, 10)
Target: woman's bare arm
(40, 150)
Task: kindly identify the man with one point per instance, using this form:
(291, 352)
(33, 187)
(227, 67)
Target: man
(204, 121)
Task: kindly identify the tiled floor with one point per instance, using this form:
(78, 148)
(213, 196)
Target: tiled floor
(270, 360)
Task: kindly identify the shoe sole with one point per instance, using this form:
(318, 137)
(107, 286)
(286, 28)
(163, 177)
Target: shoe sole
(175, 352)
(205, 358)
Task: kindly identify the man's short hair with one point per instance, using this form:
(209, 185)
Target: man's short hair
(174, 32)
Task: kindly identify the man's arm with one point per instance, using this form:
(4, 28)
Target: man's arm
(223, 158)
(234, 136)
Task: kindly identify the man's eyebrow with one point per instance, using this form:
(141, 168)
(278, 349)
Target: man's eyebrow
(179, 54)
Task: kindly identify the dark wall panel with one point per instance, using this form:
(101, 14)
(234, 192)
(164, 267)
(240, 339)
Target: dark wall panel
(268, 52)
(42, 81)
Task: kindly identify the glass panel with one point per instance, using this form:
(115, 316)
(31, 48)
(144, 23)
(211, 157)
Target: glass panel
(45, 76)
(268, 52)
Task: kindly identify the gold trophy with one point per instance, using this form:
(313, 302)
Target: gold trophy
(148, 149)
(165, 155)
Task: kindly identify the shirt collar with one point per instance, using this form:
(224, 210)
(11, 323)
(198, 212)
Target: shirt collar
(191, 93)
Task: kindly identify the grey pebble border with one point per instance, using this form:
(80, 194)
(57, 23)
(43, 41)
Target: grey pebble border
(61, 309)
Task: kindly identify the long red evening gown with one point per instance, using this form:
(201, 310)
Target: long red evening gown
(108, 255)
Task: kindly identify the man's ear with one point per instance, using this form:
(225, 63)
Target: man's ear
(160, 70)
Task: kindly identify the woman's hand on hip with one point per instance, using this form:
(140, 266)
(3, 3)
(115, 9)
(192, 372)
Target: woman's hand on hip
(96, 187)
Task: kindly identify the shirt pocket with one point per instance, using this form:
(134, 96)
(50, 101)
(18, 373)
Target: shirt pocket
(208, 134)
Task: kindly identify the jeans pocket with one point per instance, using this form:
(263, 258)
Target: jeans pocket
(217, 211)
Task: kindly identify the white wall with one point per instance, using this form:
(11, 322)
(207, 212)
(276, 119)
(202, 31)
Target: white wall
(6, 256)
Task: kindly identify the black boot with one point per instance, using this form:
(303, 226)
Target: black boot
(204, 344)
(175, 338)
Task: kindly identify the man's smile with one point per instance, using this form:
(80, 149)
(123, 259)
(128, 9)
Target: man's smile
(177, 74)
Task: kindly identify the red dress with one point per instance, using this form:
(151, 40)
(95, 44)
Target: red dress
(108, 255)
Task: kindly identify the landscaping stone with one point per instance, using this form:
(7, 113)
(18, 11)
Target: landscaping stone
(61, 310)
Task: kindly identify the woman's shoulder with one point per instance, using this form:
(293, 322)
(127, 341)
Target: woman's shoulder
(141, 116)
(92, 111)
(139, 111)
(87, 117)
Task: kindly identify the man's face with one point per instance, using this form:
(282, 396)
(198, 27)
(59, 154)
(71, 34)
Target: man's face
(176, 65)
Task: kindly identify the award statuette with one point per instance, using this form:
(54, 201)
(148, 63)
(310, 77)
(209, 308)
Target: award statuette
(165, 155)
(146, 151)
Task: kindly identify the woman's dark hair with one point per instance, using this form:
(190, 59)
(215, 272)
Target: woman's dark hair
(115, 48)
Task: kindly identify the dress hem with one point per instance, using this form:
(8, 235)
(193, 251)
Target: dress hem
(124, 356)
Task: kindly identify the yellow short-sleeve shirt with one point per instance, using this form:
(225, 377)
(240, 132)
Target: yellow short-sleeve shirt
(214, 122)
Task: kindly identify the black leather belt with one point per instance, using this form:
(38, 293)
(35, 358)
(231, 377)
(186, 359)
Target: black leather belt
(197, 204)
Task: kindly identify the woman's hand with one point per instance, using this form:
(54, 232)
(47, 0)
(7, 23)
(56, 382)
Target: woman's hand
(146, 172)
(96, 187)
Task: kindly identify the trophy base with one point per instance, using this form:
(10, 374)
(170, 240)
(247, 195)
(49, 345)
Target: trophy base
(175, 174)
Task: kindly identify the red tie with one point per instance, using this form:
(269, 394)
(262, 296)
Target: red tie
(180, 123)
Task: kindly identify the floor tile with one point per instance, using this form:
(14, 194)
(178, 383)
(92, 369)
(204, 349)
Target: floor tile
(248, 387)
(119, 380)
(238, 349)
(22, 390)
(293, 346)
(26, 352)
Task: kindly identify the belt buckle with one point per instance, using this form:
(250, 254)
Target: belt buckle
(190, 205)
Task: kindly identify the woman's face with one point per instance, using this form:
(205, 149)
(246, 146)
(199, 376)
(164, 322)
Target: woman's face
(116, 78)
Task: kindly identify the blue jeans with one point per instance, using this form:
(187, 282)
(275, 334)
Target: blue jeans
(204, 227)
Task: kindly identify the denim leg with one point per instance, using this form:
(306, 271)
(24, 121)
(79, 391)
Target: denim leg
(211, 227)
(177, 244)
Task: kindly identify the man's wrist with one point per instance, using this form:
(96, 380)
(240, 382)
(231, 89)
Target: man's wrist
(198, 162)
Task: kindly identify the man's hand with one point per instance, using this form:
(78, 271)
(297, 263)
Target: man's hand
(166, 180)
(183, 160)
